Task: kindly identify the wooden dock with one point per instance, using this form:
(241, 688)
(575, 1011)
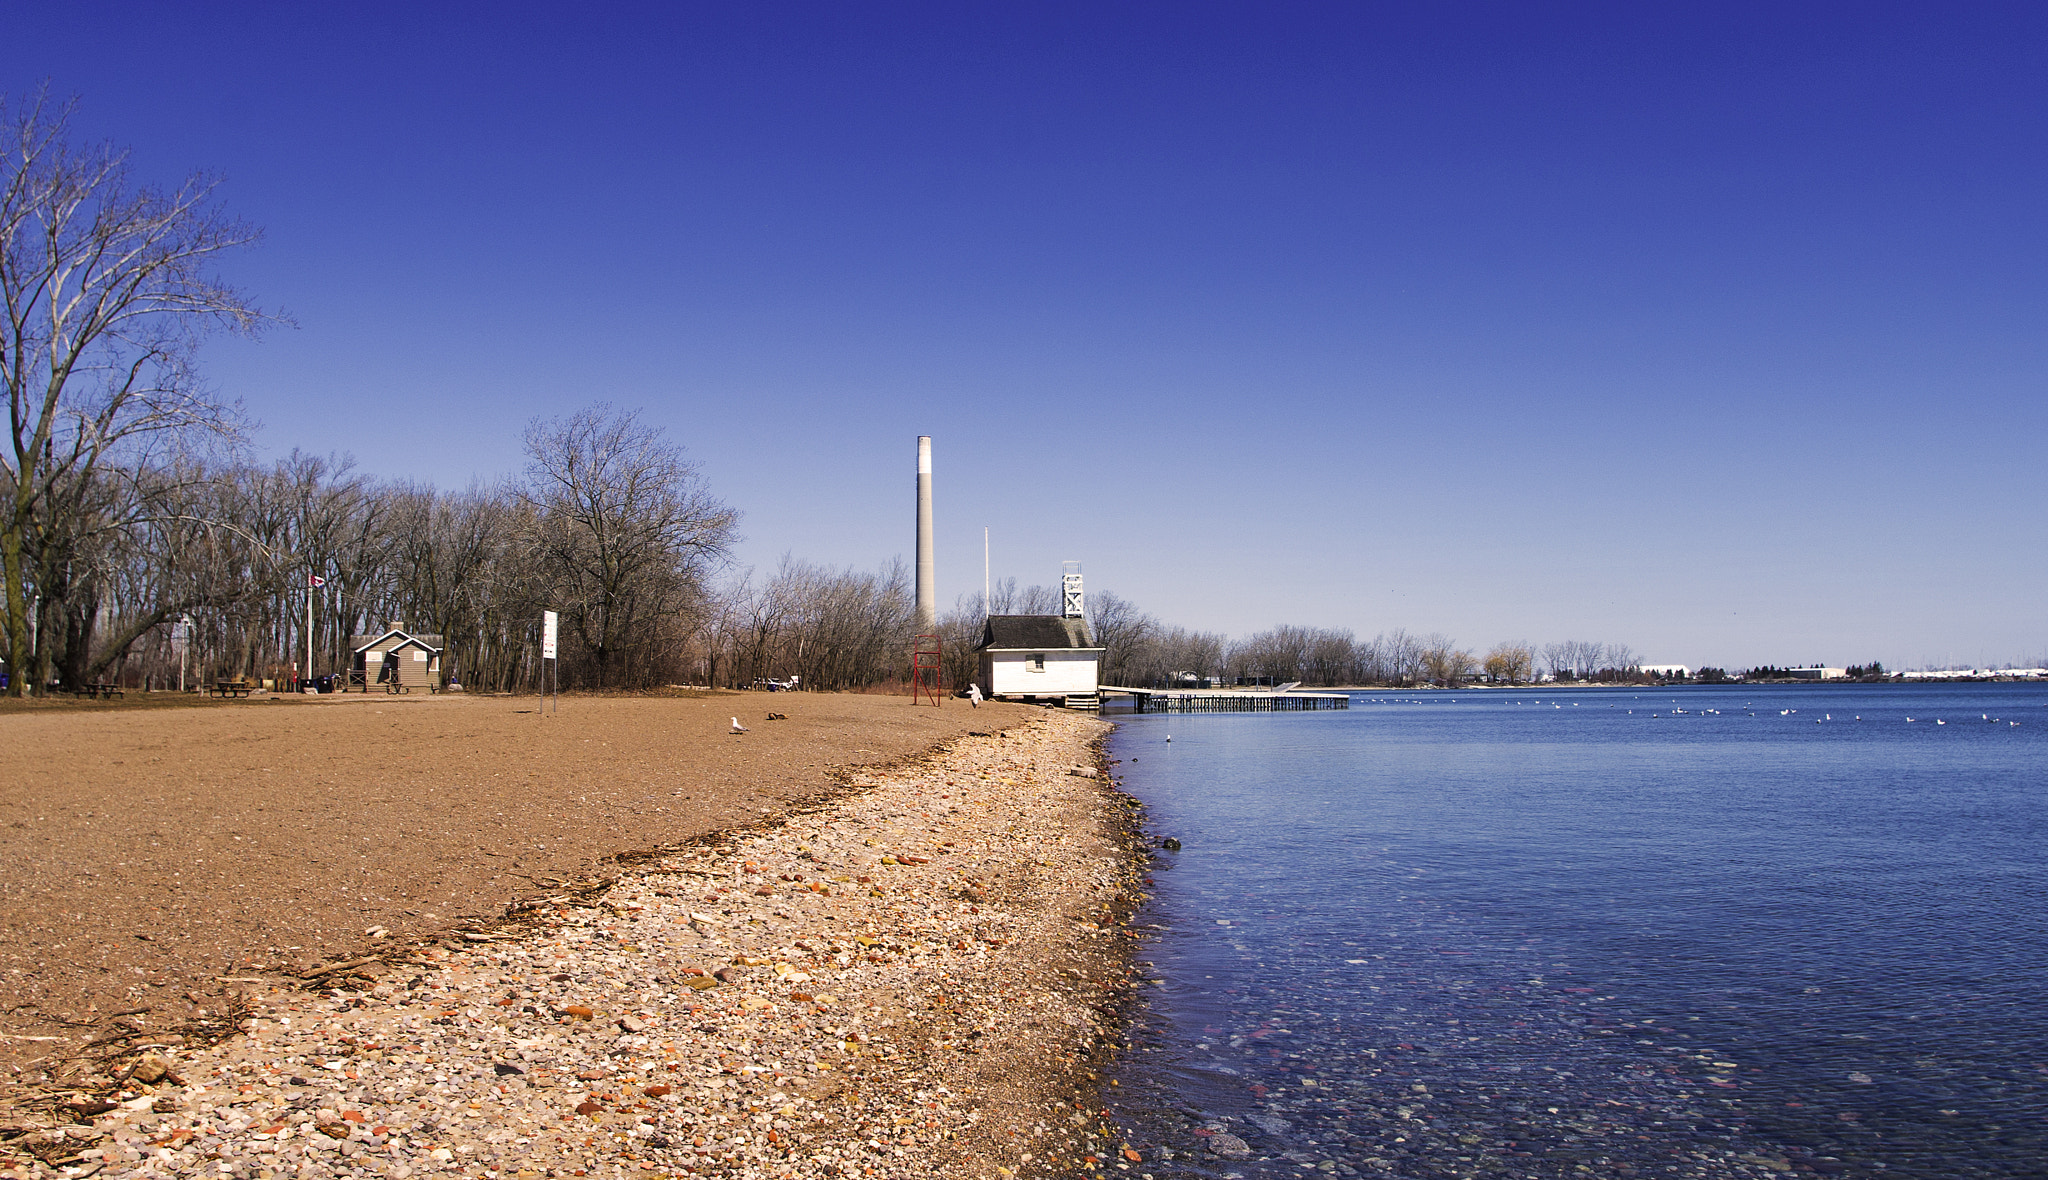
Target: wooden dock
(1212, 700)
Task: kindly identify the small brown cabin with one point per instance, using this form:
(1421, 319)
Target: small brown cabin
(396, 661)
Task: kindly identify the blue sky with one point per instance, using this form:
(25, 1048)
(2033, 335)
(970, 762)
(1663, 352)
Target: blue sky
(1716, 330)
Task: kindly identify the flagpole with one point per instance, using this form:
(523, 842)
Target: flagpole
(313, 582)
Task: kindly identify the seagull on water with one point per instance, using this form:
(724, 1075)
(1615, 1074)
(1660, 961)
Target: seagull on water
(737, 727)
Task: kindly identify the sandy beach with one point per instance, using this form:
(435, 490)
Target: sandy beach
(864, 940)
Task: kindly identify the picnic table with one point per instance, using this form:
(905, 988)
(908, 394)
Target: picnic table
(232, 688)
(105, 692)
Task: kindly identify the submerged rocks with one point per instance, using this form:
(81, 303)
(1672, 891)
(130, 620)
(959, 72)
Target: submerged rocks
(1229, 1146)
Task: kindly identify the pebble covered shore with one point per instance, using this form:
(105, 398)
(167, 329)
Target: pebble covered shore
(914, 979)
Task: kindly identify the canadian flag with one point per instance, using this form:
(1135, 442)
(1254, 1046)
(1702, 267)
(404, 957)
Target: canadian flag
(315, 580)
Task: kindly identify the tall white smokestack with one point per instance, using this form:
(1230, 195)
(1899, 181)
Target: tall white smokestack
(927, 587)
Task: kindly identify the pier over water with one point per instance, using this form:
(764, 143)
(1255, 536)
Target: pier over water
(1210, 700)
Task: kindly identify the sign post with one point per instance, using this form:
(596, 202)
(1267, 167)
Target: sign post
(313, 582)
(181, 638)
(548, 662)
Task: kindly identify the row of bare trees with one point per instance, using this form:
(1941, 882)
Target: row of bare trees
(200, 570)
(1322, 656)
(1140, 651)
(829, 629)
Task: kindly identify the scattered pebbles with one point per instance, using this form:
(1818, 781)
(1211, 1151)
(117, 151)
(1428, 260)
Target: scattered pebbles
(915, 979)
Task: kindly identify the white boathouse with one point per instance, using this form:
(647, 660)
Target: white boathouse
(1042, 657)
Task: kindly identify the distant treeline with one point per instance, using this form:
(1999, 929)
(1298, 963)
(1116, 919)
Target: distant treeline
(140, 569)
(1140, 651)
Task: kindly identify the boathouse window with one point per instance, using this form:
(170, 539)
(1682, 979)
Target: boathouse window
(1034, 663)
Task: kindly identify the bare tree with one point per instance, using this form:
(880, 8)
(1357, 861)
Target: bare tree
(1444, 662)
(1120, 629)
(1511, 663)
(626, 528)
(106, 293)
(1165, 653)
(959, 632)
(1002, 597)
(1008, 598)
(840, 628)
(1573, 659)
(1393, 657)
(1278, 653)
(1332, 658)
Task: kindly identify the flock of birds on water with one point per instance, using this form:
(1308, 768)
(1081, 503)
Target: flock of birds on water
(1675, 711)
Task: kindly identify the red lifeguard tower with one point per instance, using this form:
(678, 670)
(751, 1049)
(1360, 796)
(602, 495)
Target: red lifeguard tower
(927, 671)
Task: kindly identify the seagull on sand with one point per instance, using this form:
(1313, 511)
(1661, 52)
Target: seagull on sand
(737, 727)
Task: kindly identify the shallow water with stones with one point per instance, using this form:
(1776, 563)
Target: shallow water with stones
(1695, 932)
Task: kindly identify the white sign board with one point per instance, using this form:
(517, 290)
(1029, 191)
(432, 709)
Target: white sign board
(547, 635)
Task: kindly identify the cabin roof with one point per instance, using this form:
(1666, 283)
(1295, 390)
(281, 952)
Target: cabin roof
(1034, 633)
(362, 643)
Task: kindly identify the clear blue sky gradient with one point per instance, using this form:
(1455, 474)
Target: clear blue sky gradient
(1717, 330)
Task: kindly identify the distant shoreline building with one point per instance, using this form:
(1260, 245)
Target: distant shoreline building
(1978, 674)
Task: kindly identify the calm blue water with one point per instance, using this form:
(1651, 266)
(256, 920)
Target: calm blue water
(1577, 932)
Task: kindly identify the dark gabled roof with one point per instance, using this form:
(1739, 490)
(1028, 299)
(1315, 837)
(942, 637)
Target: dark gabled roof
(1034, 633)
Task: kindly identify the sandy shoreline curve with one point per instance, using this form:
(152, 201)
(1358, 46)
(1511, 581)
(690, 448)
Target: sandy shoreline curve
(914, 978)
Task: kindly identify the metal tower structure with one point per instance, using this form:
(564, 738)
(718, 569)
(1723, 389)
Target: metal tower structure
(1070, 590)
(927, 672)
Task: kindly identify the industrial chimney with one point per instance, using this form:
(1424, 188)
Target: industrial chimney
(927, 588)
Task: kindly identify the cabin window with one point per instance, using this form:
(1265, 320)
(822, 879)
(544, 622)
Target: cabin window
(1034, 663)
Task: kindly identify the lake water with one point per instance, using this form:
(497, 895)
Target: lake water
(1757, 932)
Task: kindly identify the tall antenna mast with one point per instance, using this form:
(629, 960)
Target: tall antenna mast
(984, 571)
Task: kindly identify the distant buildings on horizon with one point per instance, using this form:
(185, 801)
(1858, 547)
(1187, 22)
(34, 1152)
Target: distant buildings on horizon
(1979, 674)
(1823, 672)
